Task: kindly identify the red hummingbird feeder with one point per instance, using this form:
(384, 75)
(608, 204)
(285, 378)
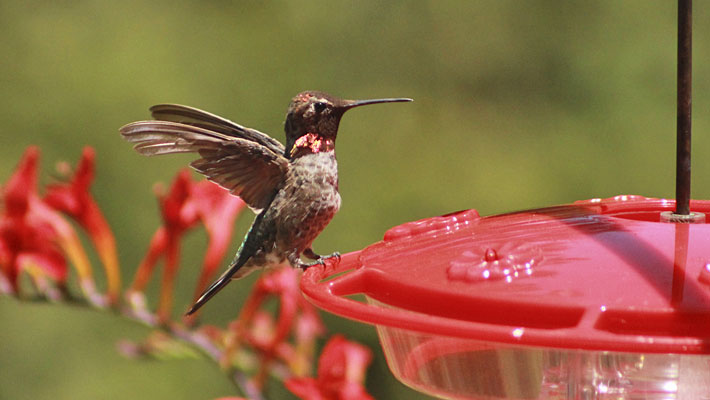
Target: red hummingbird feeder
(598, 299)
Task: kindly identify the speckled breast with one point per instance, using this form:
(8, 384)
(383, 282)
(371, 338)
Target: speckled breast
(311, 198)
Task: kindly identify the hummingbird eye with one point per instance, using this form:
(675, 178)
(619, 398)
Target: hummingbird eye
(319, 106)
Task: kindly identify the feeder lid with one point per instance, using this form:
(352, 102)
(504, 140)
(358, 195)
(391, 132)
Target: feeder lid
(594, 275)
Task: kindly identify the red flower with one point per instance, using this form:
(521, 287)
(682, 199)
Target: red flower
(217, 209)
(34, 237)
(183, 207)
(74, 199)
(307, 329)
(341, 373)
(288, 337)
(165, 242)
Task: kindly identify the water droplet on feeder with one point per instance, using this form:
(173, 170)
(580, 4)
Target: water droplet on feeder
(491, 255)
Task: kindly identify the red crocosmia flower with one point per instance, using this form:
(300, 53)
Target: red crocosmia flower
(74, 199)
(283, 285)
(177, 219)
(178, 216)
(31, 234)
(217, 209)
(341, 373)
(307, 329)
(289, 336)
(185, 205)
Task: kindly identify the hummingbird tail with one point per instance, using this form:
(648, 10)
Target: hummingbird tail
(216, 286)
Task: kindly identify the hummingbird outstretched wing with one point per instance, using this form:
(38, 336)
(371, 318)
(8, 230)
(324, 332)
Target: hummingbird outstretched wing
(245, 167)
(206, 120)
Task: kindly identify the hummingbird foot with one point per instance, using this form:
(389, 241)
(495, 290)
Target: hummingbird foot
(318, 260)
(335, 255)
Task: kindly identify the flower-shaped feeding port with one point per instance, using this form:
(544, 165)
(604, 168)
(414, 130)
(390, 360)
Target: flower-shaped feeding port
(506, 261)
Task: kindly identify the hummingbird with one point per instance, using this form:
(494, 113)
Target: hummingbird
(293, 189)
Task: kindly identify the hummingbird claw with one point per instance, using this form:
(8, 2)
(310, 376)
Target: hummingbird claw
(335, 255)
(305, 266)
(320, 261)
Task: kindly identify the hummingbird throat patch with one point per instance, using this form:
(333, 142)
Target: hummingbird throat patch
(312, 143)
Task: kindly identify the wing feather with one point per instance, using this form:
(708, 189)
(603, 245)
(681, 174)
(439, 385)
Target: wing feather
(245, 167)
(203, 119)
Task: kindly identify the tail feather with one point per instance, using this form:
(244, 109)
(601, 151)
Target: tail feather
(254, 239)
(218, 285)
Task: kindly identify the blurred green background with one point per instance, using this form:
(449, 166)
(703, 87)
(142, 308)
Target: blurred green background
(517, 105)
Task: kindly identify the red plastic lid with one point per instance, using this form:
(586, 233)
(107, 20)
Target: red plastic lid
(595, 275)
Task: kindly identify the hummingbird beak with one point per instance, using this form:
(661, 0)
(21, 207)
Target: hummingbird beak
(357, 103)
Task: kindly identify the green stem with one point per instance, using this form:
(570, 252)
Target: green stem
(196, 340)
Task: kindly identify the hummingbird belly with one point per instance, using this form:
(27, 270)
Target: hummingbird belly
(307, 202)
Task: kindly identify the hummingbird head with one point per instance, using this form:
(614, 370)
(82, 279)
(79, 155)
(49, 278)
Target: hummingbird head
(319, 113)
